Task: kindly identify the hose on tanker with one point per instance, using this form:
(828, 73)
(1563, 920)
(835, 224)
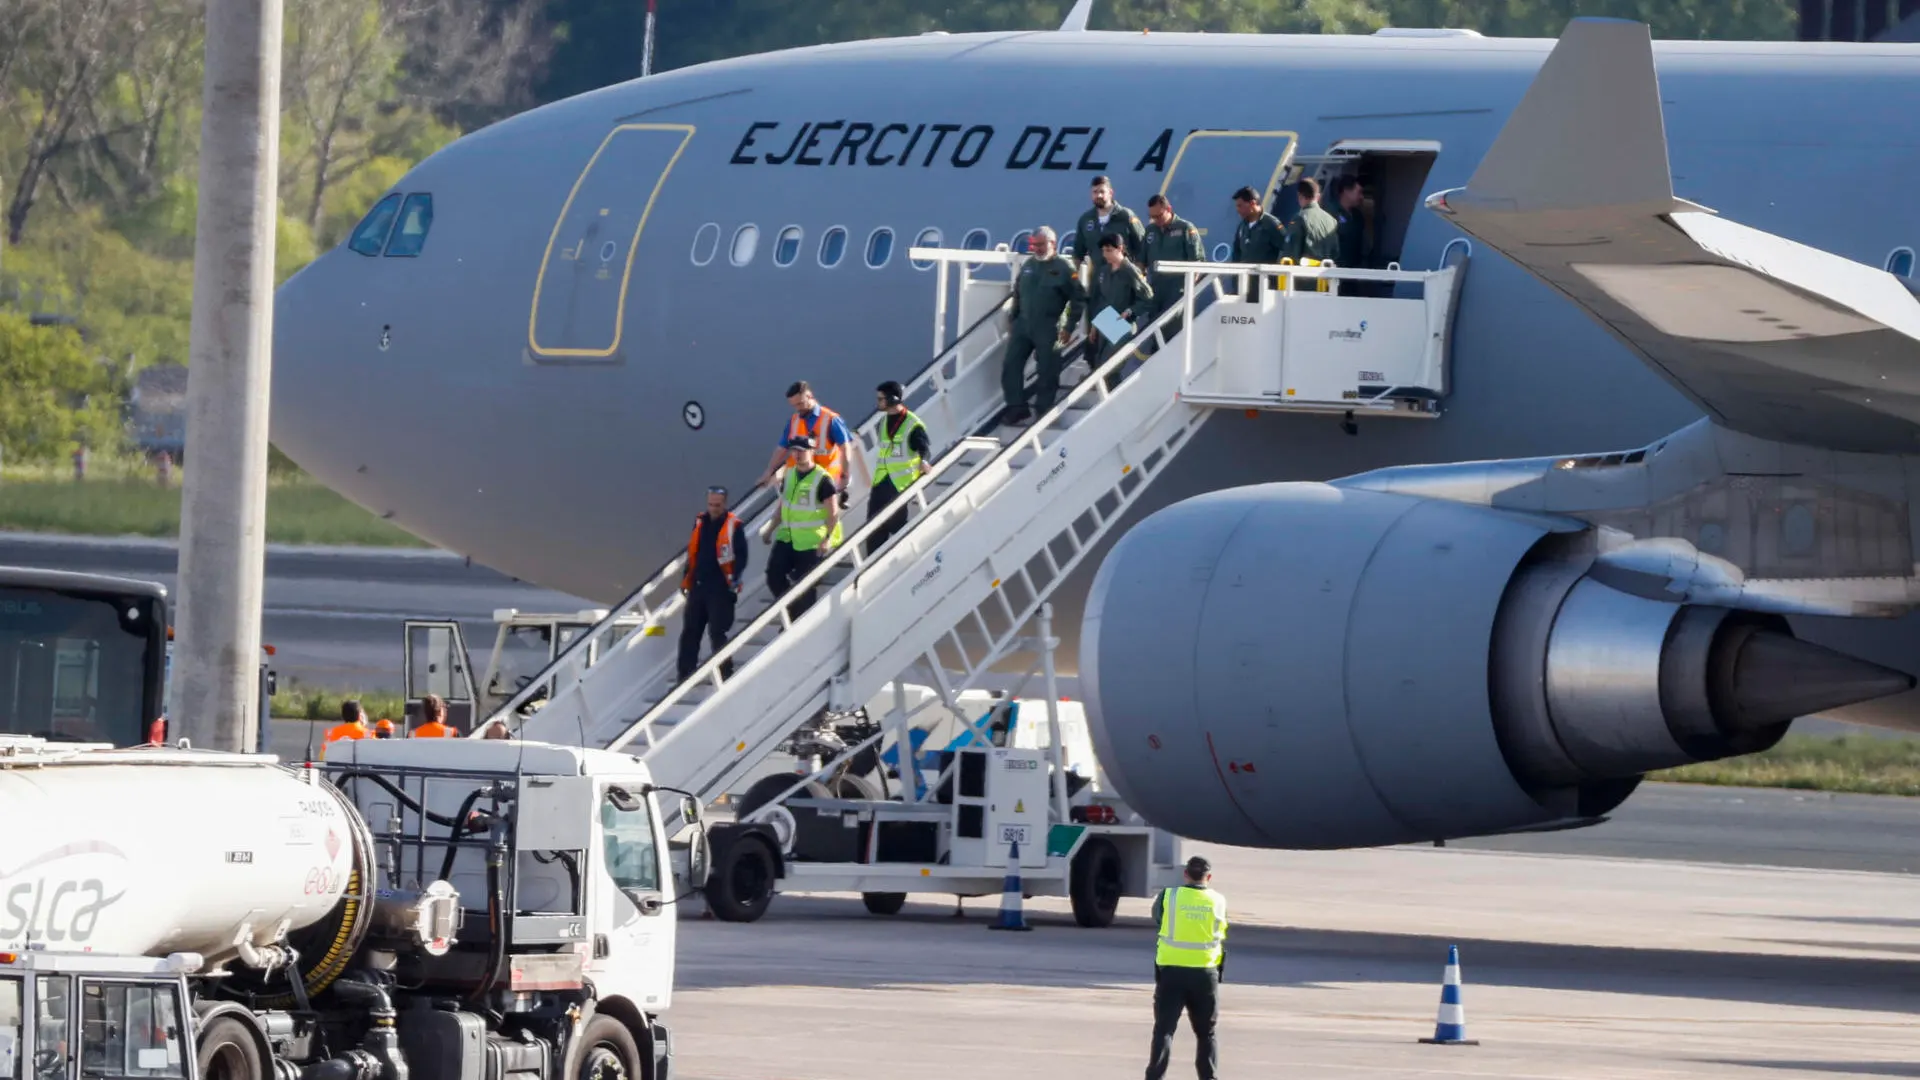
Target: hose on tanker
(349, 922)
(496, 920)
(456, 827)
(405, 799)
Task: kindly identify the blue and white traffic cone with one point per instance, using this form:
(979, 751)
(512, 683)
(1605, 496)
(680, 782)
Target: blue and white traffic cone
(1451, 1028)
(1012, 915)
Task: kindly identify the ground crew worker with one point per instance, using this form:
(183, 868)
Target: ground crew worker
(352, 725)
(716, 560)
(1118, 284)
(1047, 301)
(1313, 233)
(806, 523)
(1257, 238)
(433, 710)
(904, 451)
(1107, 218)
(831, 439)
(1170, 238)
(1187, 966)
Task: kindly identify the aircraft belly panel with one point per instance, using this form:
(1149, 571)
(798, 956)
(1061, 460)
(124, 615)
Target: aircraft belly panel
(580, 296)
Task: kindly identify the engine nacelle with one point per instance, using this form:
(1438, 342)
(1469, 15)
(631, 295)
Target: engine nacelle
(1310, 666)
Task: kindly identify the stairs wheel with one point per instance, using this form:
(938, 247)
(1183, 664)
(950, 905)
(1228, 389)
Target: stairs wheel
(1094, 883)
(884, 903)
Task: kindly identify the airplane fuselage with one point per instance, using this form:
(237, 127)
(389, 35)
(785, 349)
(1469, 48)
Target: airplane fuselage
(588, 338)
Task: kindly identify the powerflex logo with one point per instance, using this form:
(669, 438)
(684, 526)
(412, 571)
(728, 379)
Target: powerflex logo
(1053, 474)
(1349, 335)
(927, 578)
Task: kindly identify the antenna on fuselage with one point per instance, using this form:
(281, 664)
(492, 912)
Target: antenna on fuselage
(1077, 18)
(646, 45)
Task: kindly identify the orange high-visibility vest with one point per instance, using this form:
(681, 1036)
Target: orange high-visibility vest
(722, 549)
(343, 731)
(830, 456)
(434, 729)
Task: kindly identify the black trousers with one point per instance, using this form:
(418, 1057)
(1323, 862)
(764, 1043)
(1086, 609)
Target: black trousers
(879, 499)
(1196, 992)
(709, 611)
(785, 568)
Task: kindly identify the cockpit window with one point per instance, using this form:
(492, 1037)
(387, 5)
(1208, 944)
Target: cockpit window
(415, 219)
(370, 236)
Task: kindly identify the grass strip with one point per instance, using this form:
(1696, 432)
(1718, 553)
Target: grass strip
(1860, 764)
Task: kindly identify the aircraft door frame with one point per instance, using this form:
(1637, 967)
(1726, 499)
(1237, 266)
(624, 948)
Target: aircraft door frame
(1273, 179)
(610, 353)
(442, 642)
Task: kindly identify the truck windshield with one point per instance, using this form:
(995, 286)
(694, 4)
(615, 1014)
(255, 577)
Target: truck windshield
(9, 1029)
(76, 667)
(632, 860)
(130, 1030)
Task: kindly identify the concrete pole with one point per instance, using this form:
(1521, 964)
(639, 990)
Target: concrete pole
(224, 503)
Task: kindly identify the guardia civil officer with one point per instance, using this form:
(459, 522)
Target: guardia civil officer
(716, 561)
(806, 522)
(1257, 238)
(904, 452)
(1118, 284)
(1047, 300)
(1170, 238)
(1191, 954)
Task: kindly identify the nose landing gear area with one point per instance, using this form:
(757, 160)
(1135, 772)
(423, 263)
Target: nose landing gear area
(580, 297)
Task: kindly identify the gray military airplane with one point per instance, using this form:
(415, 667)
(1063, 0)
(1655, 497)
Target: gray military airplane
(552, 335)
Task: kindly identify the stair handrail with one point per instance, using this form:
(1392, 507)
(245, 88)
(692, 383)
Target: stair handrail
(709, 672)
(760, 499)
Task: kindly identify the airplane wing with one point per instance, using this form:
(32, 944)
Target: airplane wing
(1770, 337)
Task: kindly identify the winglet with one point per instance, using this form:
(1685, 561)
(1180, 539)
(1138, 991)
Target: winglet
(1588, 132)
(1077, 18)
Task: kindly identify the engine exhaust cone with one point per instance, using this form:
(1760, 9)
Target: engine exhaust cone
(1775, 677)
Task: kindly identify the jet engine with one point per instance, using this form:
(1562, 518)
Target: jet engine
(1311, 666)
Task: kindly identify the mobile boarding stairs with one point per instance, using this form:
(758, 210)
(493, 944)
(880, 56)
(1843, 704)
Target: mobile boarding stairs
(999, 519)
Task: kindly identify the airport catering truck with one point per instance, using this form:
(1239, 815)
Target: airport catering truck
(461, 910)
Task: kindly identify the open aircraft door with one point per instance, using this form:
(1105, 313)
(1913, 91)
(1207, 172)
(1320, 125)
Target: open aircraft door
(580, 297)
(436, 663)
(1210, 166)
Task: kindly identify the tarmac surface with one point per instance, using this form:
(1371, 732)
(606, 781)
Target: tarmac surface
(1572, 967)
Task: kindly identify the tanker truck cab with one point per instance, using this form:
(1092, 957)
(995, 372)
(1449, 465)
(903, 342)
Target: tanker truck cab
(565, 881)
(118, 1017)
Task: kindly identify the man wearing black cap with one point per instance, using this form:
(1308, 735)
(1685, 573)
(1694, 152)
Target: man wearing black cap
(1192, 923)
(806, 522)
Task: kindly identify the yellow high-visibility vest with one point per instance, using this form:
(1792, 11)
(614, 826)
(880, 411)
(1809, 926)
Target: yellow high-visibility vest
(803, 517)
(898, 462)
(1193, 927)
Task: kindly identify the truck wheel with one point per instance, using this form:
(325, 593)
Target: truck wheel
(1095, 883)
(884, 903)
(228, 1052)
(741, 884)
(610, 1053)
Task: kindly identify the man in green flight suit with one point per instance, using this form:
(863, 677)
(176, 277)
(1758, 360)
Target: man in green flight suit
(1313, 233)
(1170, 238)
(1047, 302)
(1257, 238)
(1118, 284)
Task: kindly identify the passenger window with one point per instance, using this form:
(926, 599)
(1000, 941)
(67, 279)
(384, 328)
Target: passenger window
(1457, 251)
(787, 247)
(370, 236)
(129, 1030)
(879, 247)
(833, 246)
(706, 244)
(632, 860)
(975, 240)
(927, 238)
(10, 1037)
(746, 241)
(1900, 262)
(1221, 251)
(51, 1034)
(416, 217)
(1018, 245)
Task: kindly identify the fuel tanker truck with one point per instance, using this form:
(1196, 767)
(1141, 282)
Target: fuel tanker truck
(446, 909)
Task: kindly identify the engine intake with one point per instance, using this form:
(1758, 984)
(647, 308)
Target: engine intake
(1303, 665)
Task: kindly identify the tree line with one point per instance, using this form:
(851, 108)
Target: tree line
(100, 120)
